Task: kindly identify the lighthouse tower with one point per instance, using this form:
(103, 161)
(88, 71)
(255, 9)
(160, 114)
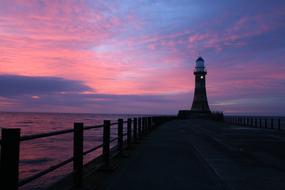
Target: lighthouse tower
(200, 107)
(200, 101)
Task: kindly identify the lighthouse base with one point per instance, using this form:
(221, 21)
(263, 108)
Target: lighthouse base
(187, 114)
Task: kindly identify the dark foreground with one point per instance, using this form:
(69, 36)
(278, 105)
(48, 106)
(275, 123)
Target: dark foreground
(198, 154)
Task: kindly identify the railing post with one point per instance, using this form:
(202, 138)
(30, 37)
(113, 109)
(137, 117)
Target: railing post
(279, 125)
(251, 121)
(135, 129)
(140, 127)
(260, 122)
(255, 123)
(106, 142)
(77, 154)
(129, 132)
(10, 152)
(265, 122)
(272, 124)
(120, 135)
(149, 124)
(143, 126)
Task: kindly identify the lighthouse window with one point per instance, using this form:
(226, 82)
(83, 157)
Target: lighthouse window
(202, 77)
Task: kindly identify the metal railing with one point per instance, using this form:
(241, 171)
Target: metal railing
(11, 139)
(255, 121)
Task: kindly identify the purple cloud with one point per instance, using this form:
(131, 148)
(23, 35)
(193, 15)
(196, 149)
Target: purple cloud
(15, 85)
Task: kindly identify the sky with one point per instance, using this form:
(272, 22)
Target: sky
(126, 56)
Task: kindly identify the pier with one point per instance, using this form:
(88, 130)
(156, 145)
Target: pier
(167, 153)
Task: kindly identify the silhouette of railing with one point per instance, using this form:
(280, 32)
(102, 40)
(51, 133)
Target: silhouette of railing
(217, 116)
(11, 139)
(255, 121)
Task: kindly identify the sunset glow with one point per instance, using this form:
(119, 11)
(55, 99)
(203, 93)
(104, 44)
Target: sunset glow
(138, 56)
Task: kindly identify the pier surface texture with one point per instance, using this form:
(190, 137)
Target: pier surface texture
(201, 155)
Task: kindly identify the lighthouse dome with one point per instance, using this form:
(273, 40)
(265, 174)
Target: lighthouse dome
(200, 59)
(200, 64)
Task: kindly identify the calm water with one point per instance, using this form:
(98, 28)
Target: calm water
(39, 154)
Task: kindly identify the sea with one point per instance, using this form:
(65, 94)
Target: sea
(39, 154)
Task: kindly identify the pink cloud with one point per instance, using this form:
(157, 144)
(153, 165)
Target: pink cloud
(119, 52)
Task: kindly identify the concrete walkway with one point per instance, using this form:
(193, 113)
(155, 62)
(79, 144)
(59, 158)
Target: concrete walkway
(165, 160)
(198, 155)
(244, 158)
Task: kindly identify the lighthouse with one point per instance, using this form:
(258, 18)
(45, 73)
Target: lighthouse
(200, 101)
(200, 107)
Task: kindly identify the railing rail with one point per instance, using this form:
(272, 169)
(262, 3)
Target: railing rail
(44, 172)
(256, 121)
(10, 147)
(54, 133)
(43, 135)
